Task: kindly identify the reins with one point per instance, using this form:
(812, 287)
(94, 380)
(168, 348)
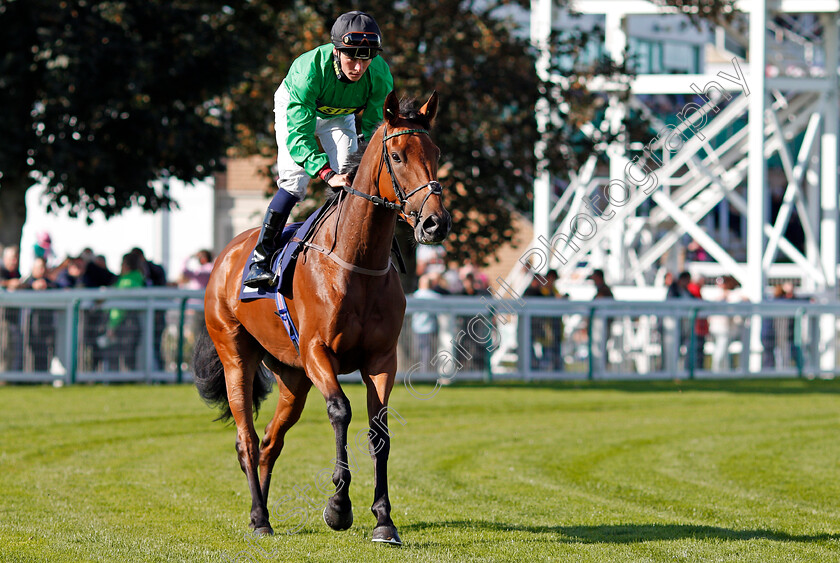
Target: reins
(433, 186)
(329, 252)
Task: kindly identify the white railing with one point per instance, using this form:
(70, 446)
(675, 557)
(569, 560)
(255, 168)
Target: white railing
(61, 336)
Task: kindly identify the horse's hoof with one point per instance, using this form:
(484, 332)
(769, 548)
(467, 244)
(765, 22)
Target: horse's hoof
(263, 531)
(386, 534)
(338, 521)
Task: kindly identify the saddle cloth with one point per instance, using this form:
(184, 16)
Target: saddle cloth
(282, 263)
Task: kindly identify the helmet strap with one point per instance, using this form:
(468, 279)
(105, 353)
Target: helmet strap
(337, 67)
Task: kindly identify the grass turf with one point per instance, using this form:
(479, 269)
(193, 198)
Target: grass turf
(654, 471)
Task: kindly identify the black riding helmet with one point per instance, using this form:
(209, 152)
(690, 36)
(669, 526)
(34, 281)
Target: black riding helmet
(357, 35)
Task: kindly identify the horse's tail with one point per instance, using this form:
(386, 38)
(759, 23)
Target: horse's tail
(209, 377)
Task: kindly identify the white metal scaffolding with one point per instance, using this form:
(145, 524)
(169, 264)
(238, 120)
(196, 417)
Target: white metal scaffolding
(780, 102)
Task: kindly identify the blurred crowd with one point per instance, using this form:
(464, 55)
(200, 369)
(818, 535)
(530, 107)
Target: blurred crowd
(110, 337)
(435, 274)
(90, 270)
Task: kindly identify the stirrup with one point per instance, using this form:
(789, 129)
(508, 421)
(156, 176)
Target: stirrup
(260, 278)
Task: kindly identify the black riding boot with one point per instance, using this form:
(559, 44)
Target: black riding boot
(261, 274)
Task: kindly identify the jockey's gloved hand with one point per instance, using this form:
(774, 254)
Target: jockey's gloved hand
(339, 180)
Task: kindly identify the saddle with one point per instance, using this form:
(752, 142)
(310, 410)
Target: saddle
(283, 263)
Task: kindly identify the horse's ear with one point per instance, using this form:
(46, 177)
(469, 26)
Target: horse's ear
(391, 111)
(429, 109)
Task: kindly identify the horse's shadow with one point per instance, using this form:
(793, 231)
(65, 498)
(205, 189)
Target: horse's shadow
(626, 533)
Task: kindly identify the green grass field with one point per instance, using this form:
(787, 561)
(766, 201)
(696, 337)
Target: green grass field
(630, 472)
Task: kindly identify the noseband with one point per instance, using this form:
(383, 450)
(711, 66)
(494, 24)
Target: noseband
(433, 186)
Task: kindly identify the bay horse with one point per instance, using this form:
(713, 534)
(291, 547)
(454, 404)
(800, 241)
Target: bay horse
(348, 306)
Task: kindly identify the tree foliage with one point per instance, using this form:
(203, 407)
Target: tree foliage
(101, 98)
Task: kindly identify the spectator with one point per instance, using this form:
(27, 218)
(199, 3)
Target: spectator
(429, 259)
(38, 279)
(679, 288)
(41, 334)
(196, 271)
(85, 270)
(452, 280)
(701, 325)
(438, 282)
(601, 327)
(546, 332)
(154, 275)
(10, 341)
(469, 285)
(768, 333)
(602, 290)
(195, 275)
(723, 328)
(795, 349)
(696, 253)
(10, 269)
(479, 279)
(424, 326)
(476, 353)
(43, 247)
(93, 270)
(120, 339)
(68, 274)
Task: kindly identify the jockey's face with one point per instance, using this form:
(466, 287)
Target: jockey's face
(354, 69)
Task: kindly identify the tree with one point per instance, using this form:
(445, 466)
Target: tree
(102, 98)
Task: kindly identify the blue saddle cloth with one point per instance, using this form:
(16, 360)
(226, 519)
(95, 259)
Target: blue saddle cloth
(283, 262)
(248, 293)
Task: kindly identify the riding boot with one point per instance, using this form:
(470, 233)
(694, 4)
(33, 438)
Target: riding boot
(261, 274)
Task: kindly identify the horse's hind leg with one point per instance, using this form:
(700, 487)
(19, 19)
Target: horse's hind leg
(241, 355)
(293, 386)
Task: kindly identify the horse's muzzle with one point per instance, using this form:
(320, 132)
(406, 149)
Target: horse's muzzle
(433, 228)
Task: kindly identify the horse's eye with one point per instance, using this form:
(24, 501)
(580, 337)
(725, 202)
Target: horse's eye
(396, 157)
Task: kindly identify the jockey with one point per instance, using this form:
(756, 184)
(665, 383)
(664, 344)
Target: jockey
(320, 97)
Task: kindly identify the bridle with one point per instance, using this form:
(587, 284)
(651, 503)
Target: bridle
(433, 186)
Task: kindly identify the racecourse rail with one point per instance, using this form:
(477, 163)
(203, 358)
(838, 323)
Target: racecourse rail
(62, 336)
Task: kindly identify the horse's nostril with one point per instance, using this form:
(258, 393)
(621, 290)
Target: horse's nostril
(431, 224)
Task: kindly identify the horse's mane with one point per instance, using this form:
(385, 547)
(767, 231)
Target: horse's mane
(410, 112)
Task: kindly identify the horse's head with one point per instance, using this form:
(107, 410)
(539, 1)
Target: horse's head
(410, 166)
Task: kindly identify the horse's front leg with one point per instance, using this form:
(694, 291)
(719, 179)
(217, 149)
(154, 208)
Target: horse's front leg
(321, 367)
(379, 378)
